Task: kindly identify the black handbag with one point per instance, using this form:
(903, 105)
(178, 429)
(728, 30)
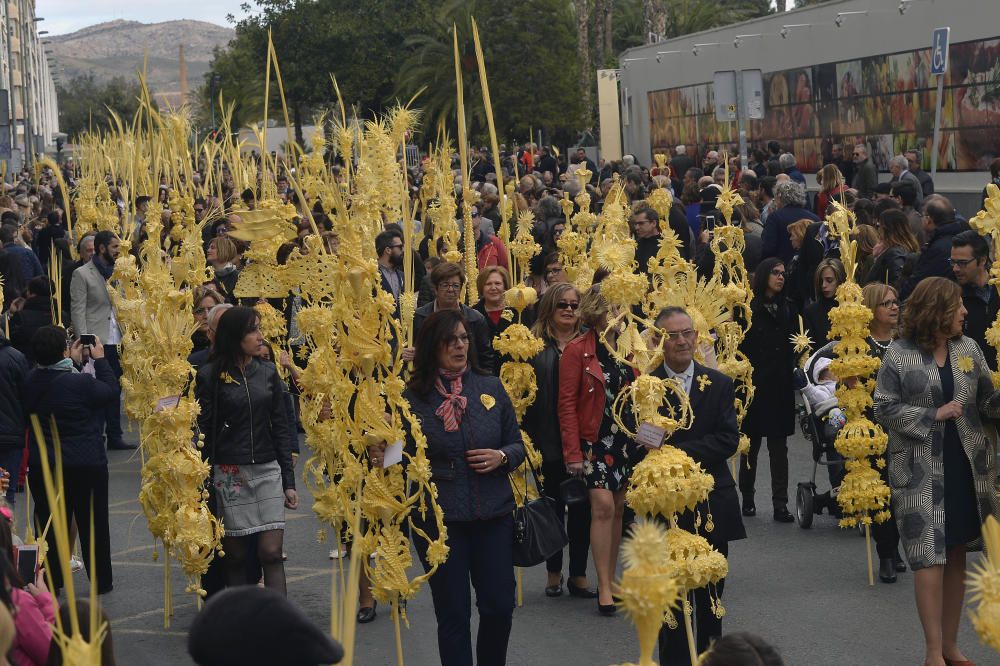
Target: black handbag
(539, 532)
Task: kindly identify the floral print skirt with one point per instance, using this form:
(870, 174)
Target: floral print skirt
(250, 498)
(608, 462)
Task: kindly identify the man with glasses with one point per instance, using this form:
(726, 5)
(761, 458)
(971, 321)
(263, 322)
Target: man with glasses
(447, 280)
(970, 262)
(711, 442)
(866, 175)
(389, 248)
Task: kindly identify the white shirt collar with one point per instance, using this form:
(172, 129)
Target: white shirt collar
(687, 374)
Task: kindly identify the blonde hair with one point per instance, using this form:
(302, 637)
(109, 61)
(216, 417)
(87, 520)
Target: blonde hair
(225, 250)
(829, 177)
(797, 230)
(547, 309)
(593, 306)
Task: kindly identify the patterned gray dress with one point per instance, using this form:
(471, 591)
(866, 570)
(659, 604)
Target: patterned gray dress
(907, 395)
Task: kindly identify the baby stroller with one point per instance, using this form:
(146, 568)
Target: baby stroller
(820, 419)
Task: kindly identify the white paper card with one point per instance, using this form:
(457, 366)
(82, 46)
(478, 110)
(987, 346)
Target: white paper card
(650, 436)
(393, 454)
(169, 402)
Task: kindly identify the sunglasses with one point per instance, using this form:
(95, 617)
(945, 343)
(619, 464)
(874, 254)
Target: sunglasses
(563, 305)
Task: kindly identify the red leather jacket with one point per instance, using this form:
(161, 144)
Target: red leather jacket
(581, 395)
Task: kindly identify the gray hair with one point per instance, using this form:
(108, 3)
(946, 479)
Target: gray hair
(670, 311)
(212, 319)
(719, 171)
(490, 188)
(786, 161)
(681, 149)
(862, 147)
(900, 161)
(628, 160)
(790, 193)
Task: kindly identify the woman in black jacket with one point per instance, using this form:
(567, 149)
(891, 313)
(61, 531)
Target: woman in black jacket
(896, 243)
(772, 412)
(558, 323)
(249, 445)
(829, 276)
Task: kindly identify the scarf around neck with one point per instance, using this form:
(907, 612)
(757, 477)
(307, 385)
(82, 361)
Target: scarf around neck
(451, 410)
(102, 267)
(63, 365)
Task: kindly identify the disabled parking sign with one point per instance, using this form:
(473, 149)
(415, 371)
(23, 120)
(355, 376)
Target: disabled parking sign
(939, 51)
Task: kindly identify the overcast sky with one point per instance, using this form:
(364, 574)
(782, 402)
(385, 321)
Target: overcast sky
(63, 16)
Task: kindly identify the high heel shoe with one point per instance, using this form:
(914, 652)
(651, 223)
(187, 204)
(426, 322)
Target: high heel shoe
(887, 570)
(365, 614)
(556, 590)
(580, 592)
(607, 610)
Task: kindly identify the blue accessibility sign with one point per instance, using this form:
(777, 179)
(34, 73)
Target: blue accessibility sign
(939, 51)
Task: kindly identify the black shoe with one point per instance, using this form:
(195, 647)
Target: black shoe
(898, 562)
(580, 592)
(781, 515)
(887, 570)
(366, 615)
(607, 610)
(556, 590)
(749, 508)
(121, 445)
(106, 589)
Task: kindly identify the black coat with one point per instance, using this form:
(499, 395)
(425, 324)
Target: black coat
(78, 402)
(888, 266)
(244, 420)
(13, 370)
(541, 420)
(712, 440)
(812, 252)
(933, 261)
(35, 314)
(816, 317)
(767, 345)
(980, 317)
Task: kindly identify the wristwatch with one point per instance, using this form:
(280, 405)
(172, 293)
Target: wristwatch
(503, 459)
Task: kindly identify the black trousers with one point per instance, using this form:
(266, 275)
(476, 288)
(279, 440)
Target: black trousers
(577, 522)
(113, 412)
(82, 487)
(480, 550)
(777, 452)
(707, 627)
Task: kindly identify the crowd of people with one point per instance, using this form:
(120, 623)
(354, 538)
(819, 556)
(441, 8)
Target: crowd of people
(925, 276)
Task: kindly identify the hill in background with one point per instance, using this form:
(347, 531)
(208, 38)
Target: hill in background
(116, 48)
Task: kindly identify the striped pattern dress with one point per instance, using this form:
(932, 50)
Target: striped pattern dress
(907, 395)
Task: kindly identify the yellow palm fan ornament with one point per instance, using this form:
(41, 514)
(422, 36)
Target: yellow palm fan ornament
(863, 496)
(984, 585)
(987, 223)
(648, 587)
(75, 647)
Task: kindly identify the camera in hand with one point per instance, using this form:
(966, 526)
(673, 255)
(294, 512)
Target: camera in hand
(88, 339)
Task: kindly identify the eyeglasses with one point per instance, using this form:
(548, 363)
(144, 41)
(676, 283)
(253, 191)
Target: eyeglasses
(563, 305)
(891, 303)
(450, 286)
(960, 262)
(396, 247)
(777, 272)
(550, 271)
(453, 340)
(688, 334)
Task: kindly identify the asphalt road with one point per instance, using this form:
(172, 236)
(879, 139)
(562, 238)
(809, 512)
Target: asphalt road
(806, 591)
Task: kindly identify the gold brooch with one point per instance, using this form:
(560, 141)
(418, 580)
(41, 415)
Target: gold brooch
(703, 381)
(487, 400)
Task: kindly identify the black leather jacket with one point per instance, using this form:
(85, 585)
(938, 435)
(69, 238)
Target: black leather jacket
(244, 418)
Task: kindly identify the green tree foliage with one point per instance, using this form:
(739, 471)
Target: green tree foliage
(86, 104)
(530, 54)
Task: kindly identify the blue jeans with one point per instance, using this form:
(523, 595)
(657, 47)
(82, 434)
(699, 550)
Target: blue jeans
(480, 550)
(10, 460)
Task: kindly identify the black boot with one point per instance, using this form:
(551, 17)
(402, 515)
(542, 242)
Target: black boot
(749, 508)
(887, 570)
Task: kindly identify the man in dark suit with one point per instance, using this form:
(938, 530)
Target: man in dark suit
(970, 262)
(711, 441)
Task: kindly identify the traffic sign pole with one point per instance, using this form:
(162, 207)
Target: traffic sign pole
(939, 67)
